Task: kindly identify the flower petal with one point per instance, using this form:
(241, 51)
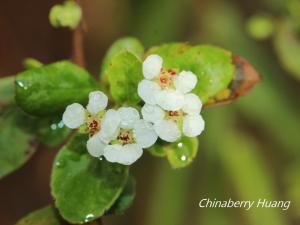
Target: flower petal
(110, 125)
(193, 125)
(192, 104)
(147, 90)
(144, 133)
(128, 116)
(95, 146)
(152, 66)
(170, 99)
(185, 81)
(152, 113)
(125, 155)
(97, 102)
(167, 130)
(74, 116)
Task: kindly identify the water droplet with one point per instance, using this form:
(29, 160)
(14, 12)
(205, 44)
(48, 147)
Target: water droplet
(89, 217)
(180, 145)
(59, 164)
(53, 126)
(183, 158)
(100, 158)
(60, 124)
(22, 85)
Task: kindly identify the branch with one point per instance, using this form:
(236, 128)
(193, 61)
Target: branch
(78, 50)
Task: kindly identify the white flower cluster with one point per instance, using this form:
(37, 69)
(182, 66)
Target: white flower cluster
(120, 135)
(169, 104)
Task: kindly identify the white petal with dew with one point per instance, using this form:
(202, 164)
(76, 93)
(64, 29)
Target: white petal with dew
(128, 116)
(95, 146)
(97, 102)
(74, 116)
(192, 104)
(193, 125)
(185, 81)
(170, 99)
(147, 90)
(110, 125)
(144, 133)
(152, 113)
(167, 130)
(125, 155)
(152, 66)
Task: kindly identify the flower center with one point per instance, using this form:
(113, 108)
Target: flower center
(174, 115)
(165, 78)
(93, 124)
(125, 137)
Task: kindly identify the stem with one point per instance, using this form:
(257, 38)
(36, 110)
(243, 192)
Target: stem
(78, 51)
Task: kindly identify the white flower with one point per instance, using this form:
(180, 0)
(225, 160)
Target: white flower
(170, 125)
(89, 119)
(164, 87)
(122, 137)
(75, 115)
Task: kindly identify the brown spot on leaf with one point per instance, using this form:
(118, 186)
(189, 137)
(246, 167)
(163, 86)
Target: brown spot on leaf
(245, 79)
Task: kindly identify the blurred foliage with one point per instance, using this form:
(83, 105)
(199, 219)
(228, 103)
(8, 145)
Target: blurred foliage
(260, 27)
(284, 28)
(16, 144)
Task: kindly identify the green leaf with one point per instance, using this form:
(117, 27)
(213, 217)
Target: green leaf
(212, 65)
(7, 91)
(31, 63)
(129, 44)
(181, 153)
(48, 90)
(158, 149)
(126, 198)
(287, 46)
(45, 216)
(16, 144)
(84, 187)
(124, 74)
(67, 15)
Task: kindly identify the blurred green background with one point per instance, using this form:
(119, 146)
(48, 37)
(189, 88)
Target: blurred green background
(250, 148)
